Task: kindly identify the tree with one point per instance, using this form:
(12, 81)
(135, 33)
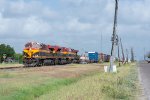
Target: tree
(6, 50)
(18, 57)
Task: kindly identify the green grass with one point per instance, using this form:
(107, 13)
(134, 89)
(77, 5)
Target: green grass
(95, 85)
(6, 75)
(102, 86)
(24, 85)
(30, 92)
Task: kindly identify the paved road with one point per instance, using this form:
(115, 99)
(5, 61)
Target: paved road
(144, 69)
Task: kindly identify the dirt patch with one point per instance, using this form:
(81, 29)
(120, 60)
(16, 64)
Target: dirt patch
(10, 65)
(70, 71)
(60, 71)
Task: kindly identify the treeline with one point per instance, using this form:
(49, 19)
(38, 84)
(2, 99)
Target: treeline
(8, 54)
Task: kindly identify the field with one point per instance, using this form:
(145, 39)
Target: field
(68, 82)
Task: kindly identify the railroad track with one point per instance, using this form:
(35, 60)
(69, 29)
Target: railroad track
(17, 67)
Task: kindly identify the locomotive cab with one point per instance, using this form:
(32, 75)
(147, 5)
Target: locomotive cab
(31, 49)
(31, 53)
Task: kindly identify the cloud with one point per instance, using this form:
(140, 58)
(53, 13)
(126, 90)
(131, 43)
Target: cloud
(74, 23)
(23, 9)
(20, 19)
(34, 26)
(24, 27)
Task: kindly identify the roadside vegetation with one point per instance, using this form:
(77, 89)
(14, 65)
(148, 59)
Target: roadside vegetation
(101, 86)
(92, 85)
(8, 54)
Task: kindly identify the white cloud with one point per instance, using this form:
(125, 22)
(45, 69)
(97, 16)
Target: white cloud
(75, 22)
(20, 19)
(23, 28)
(34, 26)
(7, 26)
(23, 9)
(75, 26)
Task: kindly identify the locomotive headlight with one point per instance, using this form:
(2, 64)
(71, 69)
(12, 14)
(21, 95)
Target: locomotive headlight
(35, 55)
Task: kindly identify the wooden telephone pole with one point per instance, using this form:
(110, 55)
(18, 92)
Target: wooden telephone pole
(119, 52)
(123, 58)
(114, 38)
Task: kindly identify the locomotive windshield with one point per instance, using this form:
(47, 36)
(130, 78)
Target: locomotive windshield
(33, 45)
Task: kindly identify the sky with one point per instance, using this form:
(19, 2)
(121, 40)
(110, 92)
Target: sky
(79, 24)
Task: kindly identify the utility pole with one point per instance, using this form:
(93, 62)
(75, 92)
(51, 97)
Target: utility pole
(101, 43)
(127, 53)
(132, 55)
(144, 55)
(114, 38)
(123, 58)
(119, 52)
(101, 60)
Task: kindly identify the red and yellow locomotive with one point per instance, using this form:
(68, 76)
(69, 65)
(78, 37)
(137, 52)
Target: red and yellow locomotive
(38, 54)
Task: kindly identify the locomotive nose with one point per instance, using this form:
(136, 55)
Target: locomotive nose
(28, 52)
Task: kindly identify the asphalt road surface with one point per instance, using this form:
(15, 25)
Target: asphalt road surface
(144, 75)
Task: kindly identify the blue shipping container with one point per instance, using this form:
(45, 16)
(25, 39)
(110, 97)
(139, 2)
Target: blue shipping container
(93, 56)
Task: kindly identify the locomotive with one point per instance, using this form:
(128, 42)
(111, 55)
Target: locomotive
(39, 54)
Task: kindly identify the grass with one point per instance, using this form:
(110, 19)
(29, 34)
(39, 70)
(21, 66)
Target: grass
(31, 83)
(95, 85)
(31, 91)
(101, 86)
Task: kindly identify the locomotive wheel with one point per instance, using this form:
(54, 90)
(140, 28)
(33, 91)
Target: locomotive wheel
(35, 62)
(31, 62)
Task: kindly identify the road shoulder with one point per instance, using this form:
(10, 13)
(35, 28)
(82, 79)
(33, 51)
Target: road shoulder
(143, 95)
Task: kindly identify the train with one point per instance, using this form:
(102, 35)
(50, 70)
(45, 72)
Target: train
(39, 54)
(93, 57)
(104, 57)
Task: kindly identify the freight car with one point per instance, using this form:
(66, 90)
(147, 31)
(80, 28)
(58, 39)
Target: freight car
(39, 54)
(93, 57)
(104, 57)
